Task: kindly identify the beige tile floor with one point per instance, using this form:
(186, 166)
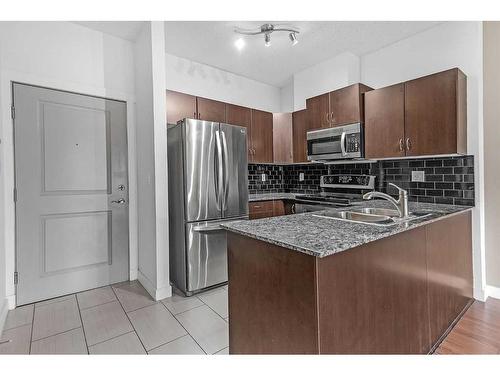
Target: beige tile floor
(120, 319)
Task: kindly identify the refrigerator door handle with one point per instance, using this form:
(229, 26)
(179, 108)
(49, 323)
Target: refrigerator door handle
(226, 171)
(218, 179)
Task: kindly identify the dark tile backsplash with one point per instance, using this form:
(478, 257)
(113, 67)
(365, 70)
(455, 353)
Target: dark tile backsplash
(274, 178)
(448, 180)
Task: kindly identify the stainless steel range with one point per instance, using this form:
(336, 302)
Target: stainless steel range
(336, 191)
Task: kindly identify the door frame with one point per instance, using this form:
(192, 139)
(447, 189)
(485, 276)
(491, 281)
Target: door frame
(7, 80)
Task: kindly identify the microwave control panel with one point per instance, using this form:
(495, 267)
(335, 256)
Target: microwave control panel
(353, 142)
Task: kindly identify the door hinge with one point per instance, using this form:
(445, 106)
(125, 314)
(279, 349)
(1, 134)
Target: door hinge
(13, 112)
(15, 195)
(16, 277)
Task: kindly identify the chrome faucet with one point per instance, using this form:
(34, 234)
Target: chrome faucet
(401, 204)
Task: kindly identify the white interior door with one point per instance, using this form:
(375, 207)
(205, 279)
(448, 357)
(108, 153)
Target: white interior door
(72, 196)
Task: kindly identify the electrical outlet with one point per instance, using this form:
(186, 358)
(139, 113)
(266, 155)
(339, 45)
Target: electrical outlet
(301, 176)
(263, 177)
(417, 176)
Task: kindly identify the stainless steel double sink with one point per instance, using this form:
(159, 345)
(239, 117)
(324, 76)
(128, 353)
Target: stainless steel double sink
(372, 216)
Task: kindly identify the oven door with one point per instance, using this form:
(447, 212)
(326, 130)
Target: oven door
(343, 142)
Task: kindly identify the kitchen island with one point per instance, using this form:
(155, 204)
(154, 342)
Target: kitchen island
(309, 284)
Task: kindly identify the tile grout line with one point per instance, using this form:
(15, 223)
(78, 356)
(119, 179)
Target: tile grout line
(181, 312)
(32, 326)
(175, 317)
(224, 319)
(58, 333)
(112, 338)
(81, 321)
(168, 342)
(101, 304)
(133, 328)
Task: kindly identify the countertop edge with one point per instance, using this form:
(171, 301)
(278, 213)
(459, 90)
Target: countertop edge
(351, 246)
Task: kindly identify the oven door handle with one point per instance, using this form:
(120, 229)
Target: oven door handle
(342, 144)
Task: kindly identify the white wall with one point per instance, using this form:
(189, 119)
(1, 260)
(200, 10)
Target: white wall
(329, 75)
(452, 44)
(491, 155)
(3, 278)
(152, 160)
(65, 56)
(197, 79)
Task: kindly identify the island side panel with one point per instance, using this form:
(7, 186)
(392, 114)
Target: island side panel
(373, 299)
(272, 299)
(449, 270)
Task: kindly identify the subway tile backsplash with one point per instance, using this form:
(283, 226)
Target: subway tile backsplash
(448, 180)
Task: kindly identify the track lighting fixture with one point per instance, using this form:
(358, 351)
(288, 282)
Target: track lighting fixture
(267, 29)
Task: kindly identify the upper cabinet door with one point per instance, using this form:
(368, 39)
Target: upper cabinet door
(262, 136)
(435, 114)
(299, 135)
(211, 110)
(346, 105)
(241, 116)
(385, 122)
(180, 106)
(282, 137)
(318, 109)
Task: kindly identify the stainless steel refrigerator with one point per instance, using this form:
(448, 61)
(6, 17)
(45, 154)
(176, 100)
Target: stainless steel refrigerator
(208, 185)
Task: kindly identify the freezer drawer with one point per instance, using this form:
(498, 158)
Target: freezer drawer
(206, 250)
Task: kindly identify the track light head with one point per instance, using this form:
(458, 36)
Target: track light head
(267, 38)
(293, 38)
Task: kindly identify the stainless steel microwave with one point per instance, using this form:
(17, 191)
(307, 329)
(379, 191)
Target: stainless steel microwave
(341, 142)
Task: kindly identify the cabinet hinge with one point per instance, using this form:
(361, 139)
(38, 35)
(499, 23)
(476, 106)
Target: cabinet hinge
(16, 277)
(15, 195)
(13, 112)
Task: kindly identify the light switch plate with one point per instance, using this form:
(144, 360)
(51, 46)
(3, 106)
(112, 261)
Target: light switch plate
(301, 176)
(417, 176)
(263, 177)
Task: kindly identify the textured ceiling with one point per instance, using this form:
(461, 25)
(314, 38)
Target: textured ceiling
(212, 43)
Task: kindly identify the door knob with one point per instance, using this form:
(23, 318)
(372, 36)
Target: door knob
(121, 187)
(119, 201)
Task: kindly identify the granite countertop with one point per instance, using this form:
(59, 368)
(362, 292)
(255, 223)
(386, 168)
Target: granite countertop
(321, 237)
(270, 196)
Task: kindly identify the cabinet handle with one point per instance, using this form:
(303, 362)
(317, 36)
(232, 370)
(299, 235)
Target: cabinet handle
(194, 114)
(408, 144)
(401, 144)
(328, 118)
(332, 119)
(199, 115)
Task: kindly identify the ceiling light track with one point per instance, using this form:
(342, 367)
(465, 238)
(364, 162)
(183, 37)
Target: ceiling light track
(267, 29)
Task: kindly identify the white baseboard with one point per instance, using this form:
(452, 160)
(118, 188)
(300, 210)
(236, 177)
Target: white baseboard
(480, 294)
(4, 309)
(492, 291)
(154, 292)
(133, 274)
(11, 302)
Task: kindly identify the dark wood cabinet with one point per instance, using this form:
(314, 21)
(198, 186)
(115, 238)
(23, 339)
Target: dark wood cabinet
(241, 116)
(262, 137)
(282, 138)
(262, 209)
(336, 108)
(385, 122)
(424, 116)
(346, 105)
(435, 114)
(318, 109)
(300, 126)
(238, 115)
(211, 110)
(180, 106)
(399, 294)
(449, 269)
